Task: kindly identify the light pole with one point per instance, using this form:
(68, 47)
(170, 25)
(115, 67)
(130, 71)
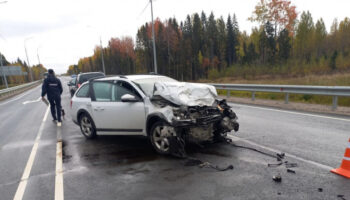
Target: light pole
(102, 57)
(25, 48)
(154, 43)
(103, 62)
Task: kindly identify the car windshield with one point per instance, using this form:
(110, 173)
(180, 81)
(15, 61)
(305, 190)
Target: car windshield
(147, 84)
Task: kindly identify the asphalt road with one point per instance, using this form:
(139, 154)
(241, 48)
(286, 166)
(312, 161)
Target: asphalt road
(116, 167)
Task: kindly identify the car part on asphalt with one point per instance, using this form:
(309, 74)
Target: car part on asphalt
(201, 164)
(291, 165)
(277, 178)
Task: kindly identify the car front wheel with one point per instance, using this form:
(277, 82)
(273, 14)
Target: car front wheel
(87, 126)
(158, 136)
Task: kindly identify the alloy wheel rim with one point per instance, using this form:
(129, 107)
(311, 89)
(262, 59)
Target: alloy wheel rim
(160, 141)
(86, 126)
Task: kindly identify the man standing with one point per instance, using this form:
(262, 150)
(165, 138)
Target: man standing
(53, 88)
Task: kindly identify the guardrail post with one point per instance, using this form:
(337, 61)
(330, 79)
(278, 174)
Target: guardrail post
(253, 96)
(228, 93)
(286, 100)
(335, 102)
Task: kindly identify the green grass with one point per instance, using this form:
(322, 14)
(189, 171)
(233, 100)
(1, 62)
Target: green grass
(325, 80)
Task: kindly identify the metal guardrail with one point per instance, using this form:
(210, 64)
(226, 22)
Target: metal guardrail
(333, 91)
(11, 90)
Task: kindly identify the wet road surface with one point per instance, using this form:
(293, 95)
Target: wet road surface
(126, 167)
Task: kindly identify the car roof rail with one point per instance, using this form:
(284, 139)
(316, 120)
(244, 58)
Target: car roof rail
(94, 78)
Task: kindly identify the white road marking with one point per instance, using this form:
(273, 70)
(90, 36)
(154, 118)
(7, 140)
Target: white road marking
(59, 194)
(291, 112)
(1, 104)
(326, 167)
(23, 183)
(33, 101)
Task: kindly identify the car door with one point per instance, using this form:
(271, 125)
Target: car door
(111, 115)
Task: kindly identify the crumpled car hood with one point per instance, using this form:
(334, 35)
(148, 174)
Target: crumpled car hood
(188, 94)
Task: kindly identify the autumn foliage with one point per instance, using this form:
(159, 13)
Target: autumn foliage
(206, 47)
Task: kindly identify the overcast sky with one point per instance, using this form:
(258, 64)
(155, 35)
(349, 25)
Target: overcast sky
(62, 31)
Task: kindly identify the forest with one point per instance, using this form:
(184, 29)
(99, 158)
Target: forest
(208, 47)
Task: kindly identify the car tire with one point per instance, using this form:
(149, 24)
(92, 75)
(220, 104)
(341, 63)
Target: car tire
(159, 143)
(87, 126)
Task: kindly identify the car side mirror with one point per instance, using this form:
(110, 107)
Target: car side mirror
(129, 98)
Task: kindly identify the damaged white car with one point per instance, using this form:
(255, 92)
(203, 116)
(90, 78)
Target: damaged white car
(169, 112)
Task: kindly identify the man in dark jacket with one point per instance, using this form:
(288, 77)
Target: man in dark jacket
(53, 88)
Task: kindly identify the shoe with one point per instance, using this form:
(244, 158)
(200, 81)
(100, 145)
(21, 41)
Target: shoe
(59, 124)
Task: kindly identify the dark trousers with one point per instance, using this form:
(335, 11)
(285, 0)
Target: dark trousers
(55, 103)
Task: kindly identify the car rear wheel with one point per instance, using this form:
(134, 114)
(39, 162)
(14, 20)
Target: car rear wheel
(87, 126)
(158, 137)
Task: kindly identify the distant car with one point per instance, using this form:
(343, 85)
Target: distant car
(71, 85)
(81, 78)
(169, 112)
(46, 74)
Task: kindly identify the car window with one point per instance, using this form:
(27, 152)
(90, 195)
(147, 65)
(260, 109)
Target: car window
(83, 91)
(121, 88)
(85, 77)
(73, 81)
(103, 91)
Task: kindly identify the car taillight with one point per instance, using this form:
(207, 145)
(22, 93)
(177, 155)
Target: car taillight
(79, 85)
(71, 103)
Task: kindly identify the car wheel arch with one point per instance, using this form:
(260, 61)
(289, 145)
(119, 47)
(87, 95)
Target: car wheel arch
(153, 118)
(80, 112)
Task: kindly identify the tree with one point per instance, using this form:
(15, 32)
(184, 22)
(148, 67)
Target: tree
(284, 45)
(304, 37)
(270, 42)
(320, 36)
(232, 42)
(280, 13)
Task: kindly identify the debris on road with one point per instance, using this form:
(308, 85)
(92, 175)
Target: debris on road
(340, 196)
(201, 164)
(291, 171)
(291, 165)
(277, 178)
(320, 189)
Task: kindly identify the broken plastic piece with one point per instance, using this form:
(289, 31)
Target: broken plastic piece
(193, 162)
(291, 165)
(275, 164)
(291, 171)
(277, 178)
(280, 155)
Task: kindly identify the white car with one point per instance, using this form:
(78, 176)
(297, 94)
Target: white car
(169, 112)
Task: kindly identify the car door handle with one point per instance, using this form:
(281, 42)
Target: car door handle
(98, 109)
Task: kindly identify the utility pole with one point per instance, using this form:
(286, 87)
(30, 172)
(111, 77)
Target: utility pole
(154, 43)
(30, 69)
(3, 72)
(1, 66)
(103, 61)
(40, 66)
